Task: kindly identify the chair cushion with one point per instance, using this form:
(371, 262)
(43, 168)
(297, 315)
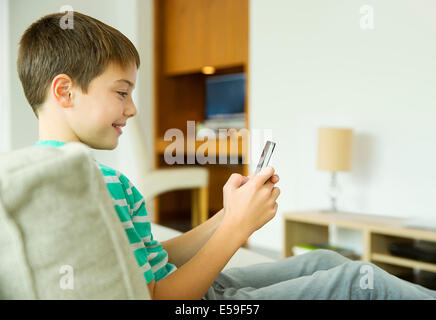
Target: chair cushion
(60, 237)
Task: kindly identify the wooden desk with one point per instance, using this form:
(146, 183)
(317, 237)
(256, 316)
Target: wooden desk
(311, 227)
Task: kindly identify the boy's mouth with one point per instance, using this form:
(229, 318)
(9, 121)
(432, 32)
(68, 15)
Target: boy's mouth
(118, 127)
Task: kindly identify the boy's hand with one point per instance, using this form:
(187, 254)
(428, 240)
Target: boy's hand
(249, 203)
(274, 179)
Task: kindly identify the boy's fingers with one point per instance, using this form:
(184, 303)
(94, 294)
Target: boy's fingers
(274, 179)
(269, 185)
(275, 193)
(263, 176)
(244, 180)
(234, 182)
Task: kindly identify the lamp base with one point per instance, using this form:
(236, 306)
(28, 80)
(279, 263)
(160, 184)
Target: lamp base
(334, 192)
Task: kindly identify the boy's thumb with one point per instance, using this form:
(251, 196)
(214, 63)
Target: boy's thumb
(245, 180)
(234, 182)
(264, 175)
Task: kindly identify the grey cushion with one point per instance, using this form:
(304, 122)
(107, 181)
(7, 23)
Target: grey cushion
(60, 237)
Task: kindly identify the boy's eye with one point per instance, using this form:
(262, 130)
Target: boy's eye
(123, 94)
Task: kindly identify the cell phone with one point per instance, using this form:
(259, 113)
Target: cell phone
(265, 156)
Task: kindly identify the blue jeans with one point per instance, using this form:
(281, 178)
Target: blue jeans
(320, 274)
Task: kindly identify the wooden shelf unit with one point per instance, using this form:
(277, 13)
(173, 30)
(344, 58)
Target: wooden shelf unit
(200, 33)
(312, 227)
(190, 35)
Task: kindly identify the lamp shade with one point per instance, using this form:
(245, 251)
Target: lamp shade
(334, 149)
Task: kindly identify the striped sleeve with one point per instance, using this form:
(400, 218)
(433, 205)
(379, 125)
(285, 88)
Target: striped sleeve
(157, 257)
(122, 199)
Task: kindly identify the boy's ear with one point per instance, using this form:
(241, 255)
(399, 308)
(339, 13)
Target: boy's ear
(62, 90)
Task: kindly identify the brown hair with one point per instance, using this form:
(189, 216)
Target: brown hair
(83, 52)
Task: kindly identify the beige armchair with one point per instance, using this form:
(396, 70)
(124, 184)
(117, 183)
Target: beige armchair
(153, 182)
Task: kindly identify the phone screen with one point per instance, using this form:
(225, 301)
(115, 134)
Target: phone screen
(265, 156)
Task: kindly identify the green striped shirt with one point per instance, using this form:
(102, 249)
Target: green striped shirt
(130, 207)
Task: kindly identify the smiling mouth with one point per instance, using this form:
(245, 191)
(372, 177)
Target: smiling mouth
(117, 128)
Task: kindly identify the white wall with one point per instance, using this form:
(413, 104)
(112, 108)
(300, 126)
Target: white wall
(312, 65)
(134, 18)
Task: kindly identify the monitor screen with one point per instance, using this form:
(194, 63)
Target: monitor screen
(225, 95)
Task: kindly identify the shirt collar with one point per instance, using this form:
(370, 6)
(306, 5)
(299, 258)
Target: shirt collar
(53, 143)
(50, 143)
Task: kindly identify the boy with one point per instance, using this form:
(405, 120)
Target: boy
(79, 83)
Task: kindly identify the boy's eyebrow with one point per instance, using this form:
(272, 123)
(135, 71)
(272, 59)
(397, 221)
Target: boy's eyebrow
(126, 81)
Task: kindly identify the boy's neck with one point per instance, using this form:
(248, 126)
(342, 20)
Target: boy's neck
(57, 136)
(55, 128)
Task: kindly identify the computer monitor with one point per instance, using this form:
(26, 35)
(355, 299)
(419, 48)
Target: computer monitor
(225, 95)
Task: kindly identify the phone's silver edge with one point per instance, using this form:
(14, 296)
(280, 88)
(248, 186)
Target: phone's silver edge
(269, 145)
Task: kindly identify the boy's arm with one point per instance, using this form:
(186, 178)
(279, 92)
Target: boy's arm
(246, 209)
(192, 280)
(182, 248)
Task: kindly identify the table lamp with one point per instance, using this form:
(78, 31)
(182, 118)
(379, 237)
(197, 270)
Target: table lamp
(334, 155)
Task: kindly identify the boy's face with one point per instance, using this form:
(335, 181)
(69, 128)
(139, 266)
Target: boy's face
(108, 102)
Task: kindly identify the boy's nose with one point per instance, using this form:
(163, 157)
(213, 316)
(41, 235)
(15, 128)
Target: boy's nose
(131, 110)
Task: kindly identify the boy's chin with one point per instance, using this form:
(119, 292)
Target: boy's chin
(103, 145)
(106, 147)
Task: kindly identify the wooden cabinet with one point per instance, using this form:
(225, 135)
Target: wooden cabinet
(184, 35)
(191, 34)
(378, 233)
(202, 33)
(227, 32)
